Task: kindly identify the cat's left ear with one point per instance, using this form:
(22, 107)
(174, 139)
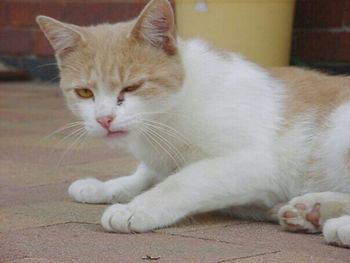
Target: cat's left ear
(63, 37)
(156, 26)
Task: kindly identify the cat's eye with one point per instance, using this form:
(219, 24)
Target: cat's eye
(84, 93)
(127, 89)
(132, 88)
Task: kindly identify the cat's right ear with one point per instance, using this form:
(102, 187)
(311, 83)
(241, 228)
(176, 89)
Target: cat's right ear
(64, 38)
(156, 26)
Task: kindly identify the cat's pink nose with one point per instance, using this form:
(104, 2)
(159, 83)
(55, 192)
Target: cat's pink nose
(105, 121)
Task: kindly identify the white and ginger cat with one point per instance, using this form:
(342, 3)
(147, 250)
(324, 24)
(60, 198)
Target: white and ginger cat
(211, 130)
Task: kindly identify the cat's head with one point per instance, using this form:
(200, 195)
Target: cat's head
(114, 76)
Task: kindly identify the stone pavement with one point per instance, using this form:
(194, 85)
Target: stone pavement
(39, 223)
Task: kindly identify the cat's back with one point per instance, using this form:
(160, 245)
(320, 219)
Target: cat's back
(309, 91)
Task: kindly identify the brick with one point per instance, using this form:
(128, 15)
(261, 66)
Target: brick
(342, 53)
(23, 13)
(3, 13)
(347, 13)
(42, 47)
(319, 13)
(315, 46)
(15, 41)
(96, 12)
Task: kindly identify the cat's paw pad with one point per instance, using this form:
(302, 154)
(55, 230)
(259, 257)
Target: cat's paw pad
(336, 231)
(88, 191)
(300, 216)
(123, 219)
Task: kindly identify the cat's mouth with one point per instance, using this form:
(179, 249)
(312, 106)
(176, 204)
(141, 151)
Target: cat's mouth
(116, 134)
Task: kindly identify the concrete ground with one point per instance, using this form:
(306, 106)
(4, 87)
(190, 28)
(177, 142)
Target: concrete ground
(40, 223)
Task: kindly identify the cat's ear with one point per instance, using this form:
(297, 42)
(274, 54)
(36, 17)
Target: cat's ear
(156, 26)
(64, 38)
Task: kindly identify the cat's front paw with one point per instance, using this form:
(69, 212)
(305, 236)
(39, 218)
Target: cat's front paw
(89, 191)
(124, 219)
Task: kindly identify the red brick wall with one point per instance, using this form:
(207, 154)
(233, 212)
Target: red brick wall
(322, 31)
(20, 36)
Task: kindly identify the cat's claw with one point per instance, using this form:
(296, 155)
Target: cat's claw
(300, 214)
(122, 218)
(117, 219)
(89, 191)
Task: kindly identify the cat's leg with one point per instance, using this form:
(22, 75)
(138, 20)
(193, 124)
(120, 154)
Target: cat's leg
(204, 186)
(119, 190)
(310, 211)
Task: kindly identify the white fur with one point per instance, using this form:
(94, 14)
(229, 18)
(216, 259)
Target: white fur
(221, 147)
(337, 231)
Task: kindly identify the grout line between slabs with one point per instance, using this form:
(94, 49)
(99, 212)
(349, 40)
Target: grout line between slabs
(252, 256)
(49, 225)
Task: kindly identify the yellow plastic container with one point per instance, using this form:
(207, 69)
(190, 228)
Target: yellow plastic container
(259, 29)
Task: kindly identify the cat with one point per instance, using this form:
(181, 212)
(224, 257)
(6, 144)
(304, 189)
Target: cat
(212, 131)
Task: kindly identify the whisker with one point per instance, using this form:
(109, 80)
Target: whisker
(169, 132)
(46, 65)
(170, 145)
(50, 81)
(78, 136)
(83, 140)
(150, 112)
(65, 127)
(163, 148)
(168, 127)
(61, 140)
(71, 67)
(65, 138)
(177, 157)
(146, 135)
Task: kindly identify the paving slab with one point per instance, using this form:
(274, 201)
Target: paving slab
(286, 257)
(28, 174)
(58, 157)
(255, 234)
(12, 196)
(200, 222)
(33, 260)
(49, 213)
(88, 243)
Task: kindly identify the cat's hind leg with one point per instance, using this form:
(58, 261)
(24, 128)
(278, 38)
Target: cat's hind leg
(316, 212)
(120, 190)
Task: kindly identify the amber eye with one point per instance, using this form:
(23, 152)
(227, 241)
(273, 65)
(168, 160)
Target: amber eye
(84, 93)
